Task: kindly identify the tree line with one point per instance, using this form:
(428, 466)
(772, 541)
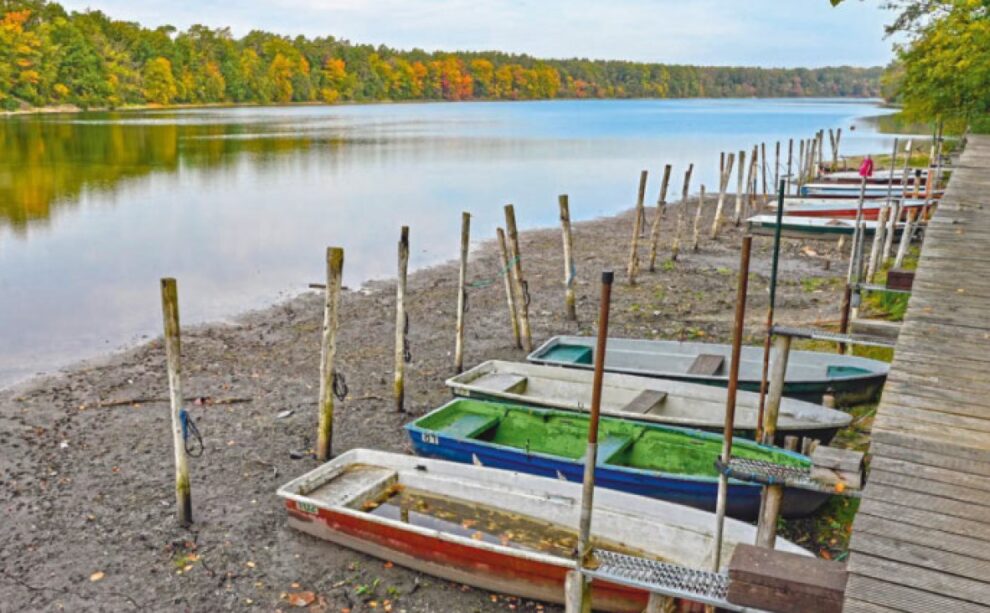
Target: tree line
(49, 56)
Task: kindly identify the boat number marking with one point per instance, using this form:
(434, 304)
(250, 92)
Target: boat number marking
(430, 438)
(306, 507)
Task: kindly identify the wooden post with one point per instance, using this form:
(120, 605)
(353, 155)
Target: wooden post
(750, 197)
(658, 217)
(766, 531)
(739, 188)
(173, 343)
(462, 292)
(856, 231)
(800, 168)
(763, 168)
(776, 163)
(570, 301)
(835, 148)
(821, 148)
(522, 293)
(774, 263)
(888, 244)
(844, 316)
(905, 239)
(676, 247)
(399, 385)
(738, 326)
(591, 451)
(723, 185)
(877, 248)
(697, 220)
(790, 162)
(510, 292)
(331, 320)
(633, 267)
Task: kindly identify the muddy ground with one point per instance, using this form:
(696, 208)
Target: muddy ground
(87, 489)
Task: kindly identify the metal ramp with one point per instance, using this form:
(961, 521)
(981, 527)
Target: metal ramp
(768, 473)
(836, 337)
(666, 579)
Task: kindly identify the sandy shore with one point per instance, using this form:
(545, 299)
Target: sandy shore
(87, 494)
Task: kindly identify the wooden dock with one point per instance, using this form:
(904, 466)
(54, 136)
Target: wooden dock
(921, 540)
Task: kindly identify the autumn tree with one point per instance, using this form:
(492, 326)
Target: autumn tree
(159, 83)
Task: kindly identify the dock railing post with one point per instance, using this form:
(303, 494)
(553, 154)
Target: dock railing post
(658, 217)
(510, 291)
(738, 325)
(766, 530)
(401, 324)
(633, 268)
(522, 291)
(570, 300)
(173, 344)
(462, 292)
(328, 372)
(591, 452)
(696, 234)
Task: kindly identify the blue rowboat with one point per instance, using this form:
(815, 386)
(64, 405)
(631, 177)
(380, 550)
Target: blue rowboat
(810, 374)
(672, 464)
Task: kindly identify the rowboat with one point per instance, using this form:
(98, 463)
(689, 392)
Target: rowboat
(663, 401)
(494, 529)
(844, 209)
(882, 175)
(852, 191)
(672, 464)
(810, 374)
(796, 226)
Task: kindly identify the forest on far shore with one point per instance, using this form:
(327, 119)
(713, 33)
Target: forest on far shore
(49, 56)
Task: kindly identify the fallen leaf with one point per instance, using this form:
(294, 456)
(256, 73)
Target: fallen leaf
(249, 564)
(295, 585)
(301, 599)
(97, 576)
(389, 565)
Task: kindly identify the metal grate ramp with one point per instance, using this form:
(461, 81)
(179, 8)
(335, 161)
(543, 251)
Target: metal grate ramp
(665, 579)
(837, 337)
(769, 473)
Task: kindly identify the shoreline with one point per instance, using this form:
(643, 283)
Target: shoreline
(71, 109)
(89, 466)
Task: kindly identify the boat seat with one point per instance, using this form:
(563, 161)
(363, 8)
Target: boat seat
(706, 364)
(571, 354)
(611, 446)
(644, 402)
(469, 425)
(503, 382)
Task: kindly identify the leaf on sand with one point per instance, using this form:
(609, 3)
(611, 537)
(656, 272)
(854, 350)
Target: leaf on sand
(97, 576)
(300, 599)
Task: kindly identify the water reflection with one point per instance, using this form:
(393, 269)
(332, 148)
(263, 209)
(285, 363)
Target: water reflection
(240, 203)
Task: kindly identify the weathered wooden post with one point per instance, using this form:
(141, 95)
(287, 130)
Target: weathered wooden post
(800, 162)
(766, 530)
(902, 248)
(328, 372)
(750, 198)
(173, 344)
(510, 292)
(776, 163)
(570, 301)
(888, 244)
(739, 323)
(857, 231)
(658, 217)
(462, 292)
(676, 247)
(522, 293)
(790, 162)
(697, 220)
(877, 247)
(633, 268)
(763, 168)
(723, 185)
(591, 451)
(844, 315)
(739, 188)
(401, 323)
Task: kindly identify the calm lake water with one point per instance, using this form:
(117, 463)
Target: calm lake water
(240, 203)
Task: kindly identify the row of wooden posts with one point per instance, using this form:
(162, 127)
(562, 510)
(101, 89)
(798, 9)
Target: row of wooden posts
(516, 289)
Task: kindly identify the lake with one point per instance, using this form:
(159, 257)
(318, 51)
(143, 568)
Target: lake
(239, 204)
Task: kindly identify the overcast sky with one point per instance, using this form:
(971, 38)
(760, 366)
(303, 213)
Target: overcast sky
(724, 32)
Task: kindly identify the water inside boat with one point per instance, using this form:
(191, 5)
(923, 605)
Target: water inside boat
(479, 522)
(621, 443)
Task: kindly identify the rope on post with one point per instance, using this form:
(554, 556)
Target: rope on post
(189, 429)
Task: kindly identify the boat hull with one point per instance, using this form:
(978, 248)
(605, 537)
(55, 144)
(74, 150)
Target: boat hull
(698, 492)
(481, 568)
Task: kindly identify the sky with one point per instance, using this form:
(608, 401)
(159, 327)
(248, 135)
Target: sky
(771, 33)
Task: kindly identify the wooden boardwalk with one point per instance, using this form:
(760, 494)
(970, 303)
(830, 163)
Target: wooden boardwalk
(921, 540)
